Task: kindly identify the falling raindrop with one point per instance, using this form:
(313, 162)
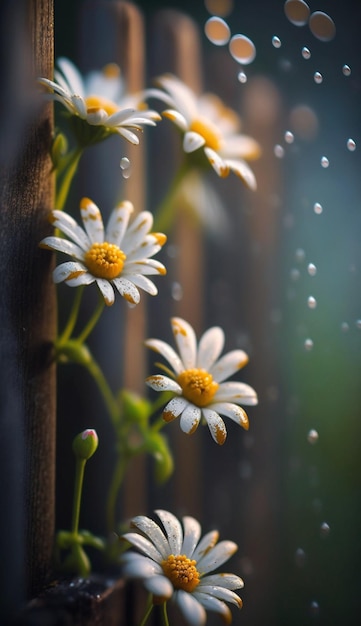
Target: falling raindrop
(318, 78)
(351, 145)
(315, 608)
(325, 162)
(289, 137)
(276, 42)
(308, 344)
(311, 302)
(312, 436)
(219, 7)
(242, 49)
(312, 269)
(242, 77)
(346, 70)
(295, 274)
(324, 529)
(297, 11)
(345, 327)
(306, 53)
(317, 207)
(300, 557)
(322, 26)
(279, 151)
(300, 255)
(358, 324)
(177, 291)
(217, 31)
(125, 166)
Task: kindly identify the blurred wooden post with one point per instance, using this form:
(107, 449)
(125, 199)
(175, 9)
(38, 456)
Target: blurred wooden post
(27, 298)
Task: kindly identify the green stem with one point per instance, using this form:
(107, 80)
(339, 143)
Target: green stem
(117, 480)
(92, 322)
(72, 317)
(69, 167)
(165, 213)
(78, 485)
(110, 402)
(164, 614)
(147, 613)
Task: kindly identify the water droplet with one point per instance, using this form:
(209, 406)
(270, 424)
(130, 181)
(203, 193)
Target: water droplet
(300, 557)
(276, 42)
(318, 78)
(312, 269)
(312, 436)
(217, 31)
(300, 255)
(304, 122)
(177, 291)
(308, 344)
(125, 166)
(242, 77)
(289, 137)
(317, 207)
(346, 70)
(351, 145)
(345, 327)
(314, 608)
(279, 151)
(297, 11)
(324, 529)
(322, 26)
(325, 162)
(219, 7)
(295, 274)
(311, 302)
(358, 324)
(242, 49)
(306, 53)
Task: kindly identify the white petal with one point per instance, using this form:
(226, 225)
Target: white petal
(144, 545)
(138, 566)
(206, 544)
(218, 164)
(177, 118)
(72, 75)
(192, 141)
(118, 223)
(81, 279)
(184, 98)
(145, 266)
(192, 610)
(149, 527)
(173, 529)
(127, 289)
(92, 220)
(158, 382)
(235, 412)
(70, 270)
(221, 593)
(192, 533)
(99, 117)
(144, 283)
(213, 604)
(79, 105)
(230, 581)
(243, 171)
(120, 116)
(106, 290)
(62, 245)
(216, 425)
(185, 338)
(137, 231)
(228, 365)
(69, 227)
(240, 146)
(216, 556)
(174, 408)
(190, 419)
(127, 134)
(159, 586)
(210, 347)
(163, 348)
(240, 393)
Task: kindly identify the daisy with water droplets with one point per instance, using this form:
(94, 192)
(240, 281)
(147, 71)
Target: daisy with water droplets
(197, 380)
(99, 100)
(115, 258)
(175, 563)
(208, 125)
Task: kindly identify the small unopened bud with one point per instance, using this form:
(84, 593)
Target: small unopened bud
(85, 444)
(58, 149)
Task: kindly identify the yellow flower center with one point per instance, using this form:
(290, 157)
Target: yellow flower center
(95, 103)
(198, 386)
(111, 70)
(208, 131)
(181, 571)
(105, 260)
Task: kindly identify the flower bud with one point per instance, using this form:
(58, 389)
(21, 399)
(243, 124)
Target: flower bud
(85, 444)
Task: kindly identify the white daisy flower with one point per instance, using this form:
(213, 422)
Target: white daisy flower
(115, 258)
(197, 380)
(174, 563)
(209, 125)
(99, 99)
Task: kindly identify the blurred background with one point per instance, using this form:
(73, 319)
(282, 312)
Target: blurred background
(279, 269)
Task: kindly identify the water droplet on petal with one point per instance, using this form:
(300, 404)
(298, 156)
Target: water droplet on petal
(317, 207)
(346, 70)
(297, 11)
(324, 529)
(318, 78)
(308, 344)
(289, 137)
(306, 53)
(242, 77)
(217, 31)
(276, 42)
(325, 162)
(242, 49)
(351, 145)
(279, 151)
(312, 436)
(311, 302)
(322, 26)
(312, 269)
(125, 166)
